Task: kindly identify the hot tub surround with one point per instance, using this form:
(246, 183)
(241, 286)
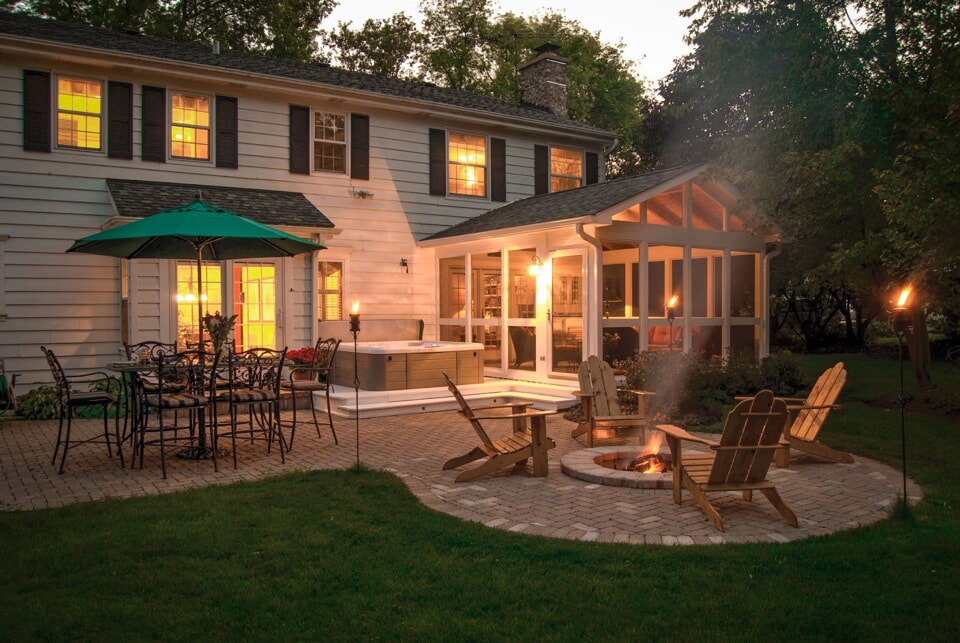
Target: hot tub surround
(399, 365)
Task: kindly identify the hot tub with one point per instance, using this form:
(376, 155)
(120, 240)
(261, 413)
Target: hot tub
(398, 365)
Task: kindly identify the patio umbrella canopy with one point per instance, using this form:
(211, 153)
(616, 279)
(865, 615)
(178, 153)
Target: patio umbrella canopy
(198, 231)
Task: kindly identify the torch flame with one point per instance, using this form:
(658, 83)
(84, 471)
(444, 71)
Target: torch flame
(673, 302)
(356, 308)
(904, 297)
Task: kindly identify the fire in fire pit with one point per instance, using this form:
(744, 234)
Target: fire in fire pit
(649, 460)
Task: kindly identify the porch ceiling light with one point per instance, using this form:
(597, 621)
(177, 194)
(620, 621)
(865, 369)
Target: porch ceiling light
(535, 266)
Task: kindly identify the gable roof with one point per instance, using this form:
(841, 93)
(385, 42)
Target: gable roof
(271, 207)
(20, 26)
(579, 203)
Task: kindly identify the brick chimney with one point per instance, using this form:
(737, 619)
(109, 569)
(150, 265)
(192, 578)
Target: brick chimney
(543, 80)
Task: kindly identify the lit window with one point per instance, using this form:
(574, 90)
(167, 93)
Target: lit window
(566, 169)
(190, 127)
(329, 142)
(188, 294)
(330, 291)
(79, 113)
(468, 164)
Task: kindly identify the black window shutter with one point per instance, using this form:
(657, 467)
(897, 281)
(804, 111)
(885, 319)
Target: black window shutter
(541, 169)
(153, 137)
(228, 154)
(299, 139)
(36, 110)
(438, 162)
(593, 168)
(120, 124)
(359, 147)
(498, 169)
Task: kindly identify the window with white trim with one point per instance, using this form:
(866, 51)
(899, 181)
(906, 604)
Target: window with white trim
(467, 162)
(189, 126)
(79, 113)
(329, 290)
(566, 169)
(329, 142)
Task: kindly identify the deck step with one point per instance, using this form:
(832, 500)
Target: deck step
(350, 404)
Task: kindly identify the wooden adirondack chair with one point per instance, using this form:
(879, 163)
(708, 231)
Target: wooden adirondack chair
(600, 399)
(812, 411)
(739, 461)
(516, 448)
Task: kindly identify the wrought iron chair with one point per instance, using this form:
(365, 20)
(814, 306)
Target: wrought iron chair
(312, 378)
(185, 383)
(253, 383)
(70, 397)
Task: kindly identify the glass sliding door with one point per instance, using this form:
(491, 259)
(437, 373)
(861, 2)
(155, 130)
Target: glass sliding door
(566, 316)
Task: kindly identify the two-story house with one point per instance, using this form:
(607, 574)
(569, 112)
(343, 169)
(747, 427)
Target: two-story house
(490, 221)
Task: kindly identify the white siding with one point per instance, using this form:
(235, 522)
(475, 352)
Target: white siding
(71, 302)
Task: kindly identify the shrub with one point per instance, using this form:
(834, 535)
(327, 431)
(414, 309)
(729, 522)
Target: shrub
(40, 403)
(692, 389)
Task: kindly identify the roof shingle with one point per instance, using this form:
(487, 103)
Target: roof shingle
(270, 207)
(560, 206)
(23, 26)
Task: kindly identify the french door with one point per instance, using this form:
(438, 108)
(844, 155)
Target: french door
(253, 293)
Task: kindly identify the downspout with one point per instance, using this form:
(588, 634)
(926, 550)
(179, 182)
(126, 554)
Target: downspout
(598, 310)
(765, 307)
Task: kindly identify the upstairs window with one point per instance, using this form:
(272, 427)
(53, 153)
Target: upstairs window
(467, 162)
(329, 142)
(190, 126)
(566, 169)
(79, 113)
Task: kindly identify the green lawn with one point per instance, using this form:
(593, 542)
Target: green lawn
(344, 555)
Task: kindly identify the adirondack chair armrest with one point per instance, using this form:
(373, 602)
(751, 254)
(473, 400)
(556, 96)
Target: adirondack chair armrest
(583, 394)
(681, 434)
(812, 407)
(511, 416)
(636, 391)
(785, 399)
(744, 447)
(509, 405)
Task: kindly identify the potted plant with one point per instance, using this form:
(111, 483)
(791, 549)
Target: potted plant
(301, 357)
(219, 327)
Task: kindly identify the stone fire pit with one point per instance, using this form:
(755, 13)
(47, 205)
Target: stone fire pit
(588, 465)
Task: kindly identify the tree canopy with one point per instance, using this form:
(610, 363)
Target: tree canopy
(836, 120)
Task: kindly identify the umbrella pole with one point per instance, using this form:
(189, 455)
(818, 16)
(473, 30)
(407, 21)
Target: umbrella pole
(200, 297)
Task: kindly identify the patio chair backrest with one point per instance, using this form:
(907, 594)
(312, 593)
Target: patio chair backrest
(256, 368)
(755, 422)
(467, 412)
(149, 351)
(596, 377)
(59, 377)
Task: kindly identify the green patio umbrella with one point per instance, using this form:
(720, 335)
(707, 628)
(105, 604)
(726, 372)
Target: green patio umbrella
(199, 231)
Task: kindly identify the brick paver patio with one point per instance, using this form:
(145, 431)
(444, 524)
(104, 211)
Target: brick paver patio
(827, 497)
